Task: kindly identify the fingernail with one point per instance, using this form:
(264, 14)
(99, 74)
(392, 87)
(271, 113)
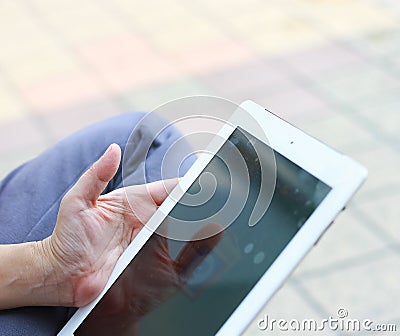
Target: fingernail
(107, 150)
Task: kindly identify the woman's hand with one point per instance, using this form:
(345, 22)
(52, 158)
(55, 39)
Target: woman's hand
(72, 266)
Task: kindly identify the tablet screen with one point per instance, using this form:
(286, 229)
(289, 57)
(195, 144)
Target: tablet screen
(191, 288)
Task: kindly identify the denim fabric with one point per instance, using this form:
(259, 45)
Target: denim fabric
(30, 197)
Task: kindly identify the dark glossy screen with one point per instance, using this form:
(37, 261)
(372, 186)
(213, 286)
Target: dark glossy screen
(191, 288)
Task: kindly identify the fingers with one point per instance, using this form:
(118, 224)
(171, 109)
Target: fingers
(143, 200)
(160, 190)
(95, 179)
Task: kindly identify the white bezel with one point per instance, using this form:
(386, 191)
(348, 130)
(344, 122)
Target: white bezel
(336, 170)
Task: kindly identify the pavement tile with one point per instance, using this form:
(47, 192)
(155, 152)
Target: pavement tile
(364, 83)
(43, 64)
(368, 290)
(28, 52)
(385, 117)
(172, 38)
(395, 63)
(383, 165)
(292, 37)
(339, 20)
(392, 5)
(293, 102)
(247, 21)
(206, 58)
(241, 18)
(148, 98)
(89, 20)
(17, 134)
(246, 76)
(66, 120)
(11, 105)
(272, 31)
(290, 102)
(347, 240)
(324, 58)
(228, 9)
(339, 132)
(150, 14)
(62, 91)
(19, 26)
(381, 43)
(384, 212)
(377, 101)
(126, 62)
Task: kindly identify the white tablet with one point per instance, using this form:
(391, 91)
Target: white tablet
(280, 190)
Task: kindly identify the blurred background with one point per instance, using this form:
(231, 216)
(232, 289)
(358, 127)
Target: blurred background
(331, 67)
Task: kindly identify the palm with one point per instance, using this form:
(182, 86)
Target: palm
(92, 231)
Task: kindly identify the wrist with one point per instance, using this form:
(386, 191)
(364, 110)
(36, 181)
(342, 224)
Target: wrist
(55, 288)
(28, 276)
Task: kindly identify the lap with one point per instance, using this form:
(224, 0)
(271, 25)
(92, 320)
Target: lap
(30, 197)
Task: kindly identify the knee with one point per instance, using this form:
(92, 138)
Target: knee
(113, 130)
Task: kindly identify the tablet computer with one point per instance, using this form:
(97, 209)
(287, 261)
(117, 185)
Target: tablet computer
(197, 270)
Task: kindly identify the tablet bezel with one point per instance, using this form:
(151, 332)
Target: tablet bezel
(336, 170)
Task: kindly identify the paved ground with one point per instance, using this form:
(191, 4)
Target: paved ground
(332, 67)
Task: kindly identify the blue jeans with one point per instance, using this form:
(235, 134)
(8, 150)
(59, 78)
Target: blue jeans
(30, 197)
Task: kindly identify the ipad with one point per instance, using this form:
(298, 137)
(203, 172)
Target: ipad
(182, 275)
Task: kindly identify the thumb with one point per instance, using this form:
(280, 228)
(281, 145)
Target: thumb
(91, 184)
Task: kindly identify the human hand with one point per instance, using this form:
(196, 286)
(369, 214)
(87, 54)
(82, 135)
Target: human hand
(93, 230)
